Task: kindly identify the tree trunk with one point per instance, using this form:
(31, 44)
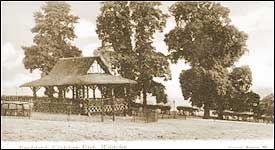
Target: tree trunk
(144, 97)
(220, 109)
(206, 114)
(220, 114)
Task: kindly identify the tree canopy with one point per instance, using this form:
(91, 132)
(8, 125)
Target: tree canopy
(205, 38)
(241, 78)
(241, 99)
(267, 105)
(54, 33)
(129, 28)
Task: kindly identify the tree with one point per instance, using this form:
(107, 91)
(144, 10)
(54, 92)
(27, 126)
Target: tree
(125, 23)
(114, 27)
(147, 19)
(158, 90)
(252, 101)
(267, 105)
(205, 88)
(54, 33)
(206, 40)
(241, 81)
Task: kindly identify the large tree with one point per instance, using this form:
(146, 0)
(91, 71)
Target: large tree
(54, 33)
(129, 28)
(267, 105)
(205, 39)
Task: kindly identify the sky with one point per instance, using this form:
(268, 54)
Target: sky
(254, 18)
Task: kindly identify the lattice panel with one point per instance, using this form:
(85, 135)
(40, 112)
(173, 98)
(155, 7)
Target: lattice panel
(107, 108)
(93, 109)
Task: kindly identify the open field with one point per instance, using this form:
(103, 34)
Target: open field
(53, 127)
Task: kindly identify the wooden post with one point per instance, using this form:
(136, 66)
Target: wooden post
(73, 89)
(101, 88)
(77, 92)
(113, 107)
(87, 90)
(94, 92)
(70, 110)
(61, 92)
(34, 91)
(83, 91)
(102, 110)
(65, 90)
(125, 91)
(113, 103)
(30, 107)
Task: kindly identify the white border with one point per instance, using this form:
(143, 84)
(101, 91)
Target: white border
(164, 144)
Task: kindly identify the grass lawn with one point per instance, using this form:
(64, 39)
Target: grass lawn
(55, 127)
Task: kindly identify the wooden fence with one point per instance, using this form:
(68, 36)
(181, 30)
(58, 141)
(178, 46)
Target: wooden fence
(90, 107)
(45, 104)
(107, 106)
(150, 113)
(144, 115)
(16, 108)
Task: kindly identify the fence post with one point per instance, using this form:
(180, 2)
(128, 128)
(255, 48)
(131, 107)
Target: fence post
(70, 109)
(102, 110)
(113, 107)
(30, 105)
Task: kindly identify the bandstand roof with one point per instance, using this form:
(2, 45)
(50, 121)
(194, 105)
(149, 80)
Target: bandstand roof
(73, 71)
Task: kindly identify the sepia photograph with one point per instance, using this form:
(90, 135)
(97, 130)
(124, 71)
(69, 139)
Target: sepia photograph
(137, 74)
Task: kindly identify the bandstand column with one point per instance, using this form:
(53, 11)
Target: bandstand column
(34, 91)
(83, 91)
(87, 91)
(94, 87)
(64, 92)
(73, 91)
(125, 91)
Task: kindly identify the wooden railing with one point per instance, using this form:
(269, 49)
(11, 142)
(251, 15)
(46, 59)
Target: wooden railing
(72, 106)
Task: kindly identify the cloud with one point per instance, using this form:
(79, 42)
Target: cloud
(262, 71)
(256, 20)
(173, 88)
(88, 50)
(10, 56)
(13, 73)
(85, 29)
(258, 23)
